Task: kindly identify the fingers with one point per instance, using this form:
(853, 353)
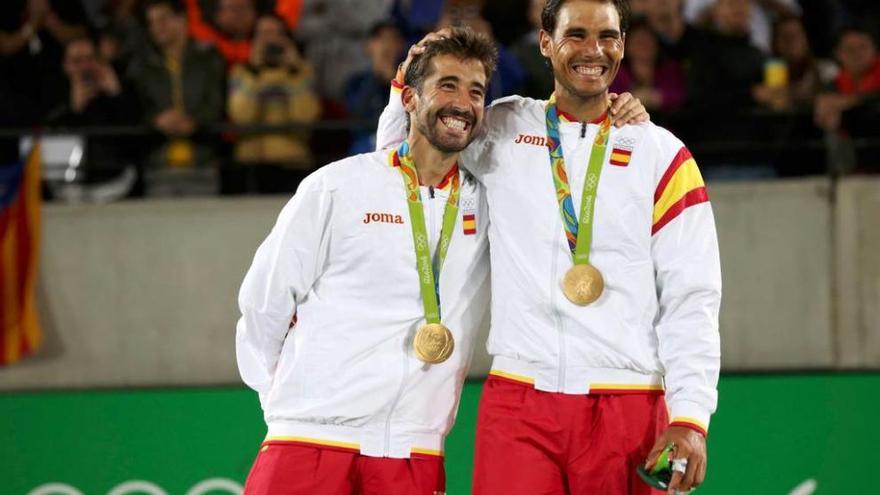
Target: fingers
(701, 474)
(418, 49)
(654, 454)
(626, 109)
(687, 482)
(675, 482)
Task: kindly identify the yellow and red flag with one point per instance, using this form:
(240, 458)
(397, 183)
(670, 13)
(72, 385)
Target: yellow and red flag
(20, 333)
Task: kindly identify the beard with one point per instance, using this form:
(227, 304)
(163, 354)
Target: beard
(432, 127)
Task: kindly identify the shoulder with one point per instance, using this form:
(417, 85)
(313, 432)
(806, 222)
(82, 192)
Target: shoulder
(359, 171)
(651, 135)
(509, 113)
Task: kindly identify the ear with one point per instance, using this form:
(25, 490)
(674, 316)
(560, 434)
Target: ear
(623, 46)
(545, 43)
(409, 98)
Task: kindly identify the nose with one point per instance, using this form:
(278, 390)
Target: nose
(591, 45)
(461, 100)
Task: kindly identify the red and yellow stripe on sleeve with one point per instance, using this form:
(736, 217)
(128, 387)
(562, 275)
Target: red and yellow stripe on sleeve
(681, 186)
(692, 423)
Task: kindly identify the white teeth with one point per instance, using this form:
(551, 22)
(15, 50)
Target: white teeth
(589, 71)
(454, 123)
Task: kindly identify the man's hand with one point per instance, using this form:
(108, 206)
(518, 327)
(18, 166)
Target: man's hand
(418, 49)
(174, 122)
(81, 94)
(107, 81)
(627, 109)
(689, 445)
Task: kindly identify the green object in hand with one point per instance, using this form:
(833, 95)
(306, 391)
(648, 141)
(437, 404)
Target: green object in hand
(661, 473)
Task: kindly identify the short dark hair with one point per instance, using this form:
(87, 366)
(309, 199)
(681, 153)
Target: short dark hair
(854, 28)
(382, 25)
(463, 43)
(551, 12)
(176, 6)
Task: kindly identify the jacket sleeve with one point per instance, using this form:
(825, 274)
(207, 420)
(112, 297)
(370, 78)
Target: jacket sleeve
(392, 129)
(688, 277)
(284, 269)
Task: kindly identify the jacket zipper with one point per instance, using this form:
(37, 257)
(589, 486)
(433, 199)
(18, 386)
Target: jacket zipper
(400, 388)
(387, 449)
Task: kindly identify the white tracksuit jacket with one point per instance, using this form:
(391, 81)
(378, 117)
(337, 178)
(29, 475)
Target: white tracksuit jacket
(654, 240)
(341, 258)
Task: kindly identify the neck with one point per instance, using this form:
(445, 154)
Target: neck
(583, 108)
(432, 165)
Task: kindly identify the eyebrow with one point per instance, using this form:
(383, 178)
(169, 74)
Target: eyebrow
(583, 32)
(455, 79)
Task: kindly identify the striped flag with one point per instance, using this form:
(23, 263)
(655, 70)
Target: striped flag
(680, 188)
(620, 156)
(469, 223)
(19, 250)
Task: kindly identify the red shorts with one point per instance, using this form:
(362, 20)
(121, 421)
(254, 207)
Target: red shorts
(285, 468)
(531, 442)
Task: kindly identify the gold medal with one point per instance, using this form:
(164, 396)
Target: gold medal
(433, 343)
(583, 284)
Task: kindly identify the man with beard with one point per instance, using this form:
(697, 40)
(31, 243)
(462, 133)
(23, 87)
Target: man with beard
(360, 308)
(600, 311)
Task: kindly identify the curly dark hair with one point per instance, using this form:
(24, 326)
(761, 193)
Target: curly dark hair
(463, 43)
(551, 12)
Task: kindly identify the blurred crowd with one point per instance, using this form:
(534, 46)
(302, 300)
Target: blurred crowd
(212, 81)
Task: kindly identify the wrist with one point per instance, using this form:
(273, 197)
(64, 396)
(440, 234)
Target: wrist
(691, 424)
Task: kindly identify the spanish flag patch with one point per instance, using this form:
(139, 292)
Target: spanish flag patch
(469, 223)
(620, 156)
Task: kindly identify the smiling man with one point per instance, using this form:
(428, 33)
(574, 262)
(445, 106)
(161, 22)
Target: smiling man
(381, 262)
(606, 280)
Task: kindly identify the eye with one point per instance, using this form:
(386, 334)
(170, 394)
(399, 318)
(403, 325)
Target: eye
(447, 86)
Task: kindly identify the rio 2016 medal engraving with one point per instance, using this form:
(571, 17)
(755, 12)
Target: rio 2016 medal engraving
(433, 343)
(583, 284)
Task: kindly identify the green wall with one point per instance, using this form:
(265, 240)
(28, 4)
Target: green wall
(771, 434)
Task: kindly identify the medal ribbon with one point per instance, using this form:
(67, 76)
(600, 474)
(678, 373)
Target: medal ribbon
(427, 280)
(578, 232)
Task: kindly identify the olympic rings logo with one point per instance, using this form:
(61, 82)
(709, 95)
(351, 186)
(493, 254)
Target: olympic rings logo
(140, 487)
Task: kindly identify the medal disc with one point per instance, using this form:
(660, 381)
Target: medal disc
(583, 284)
(433, 343)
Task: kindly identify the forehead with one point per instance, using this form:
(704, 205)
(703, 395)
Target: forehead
(79, 48)
(159, 9)
(235, 4)
(587, 14)
(855, 39)
(468, 70)
(269, 23)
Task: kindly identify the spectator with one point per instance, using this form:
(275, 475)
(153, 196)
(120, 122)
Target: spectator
(96, 97)
(538, 81)
(33, 34)
(725, 65)
(801, 76)
(335, 32)
(761, 16)
(367, 92)
(180, 88)
(677, 37)
(657, 81)
(857, 87)
(122, 33)
(233, 24)
(274, 87)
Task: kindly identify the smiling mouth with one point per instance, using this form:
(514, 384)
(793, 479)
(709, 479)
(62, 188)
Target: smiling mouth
(455, 123)
(590, 70)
